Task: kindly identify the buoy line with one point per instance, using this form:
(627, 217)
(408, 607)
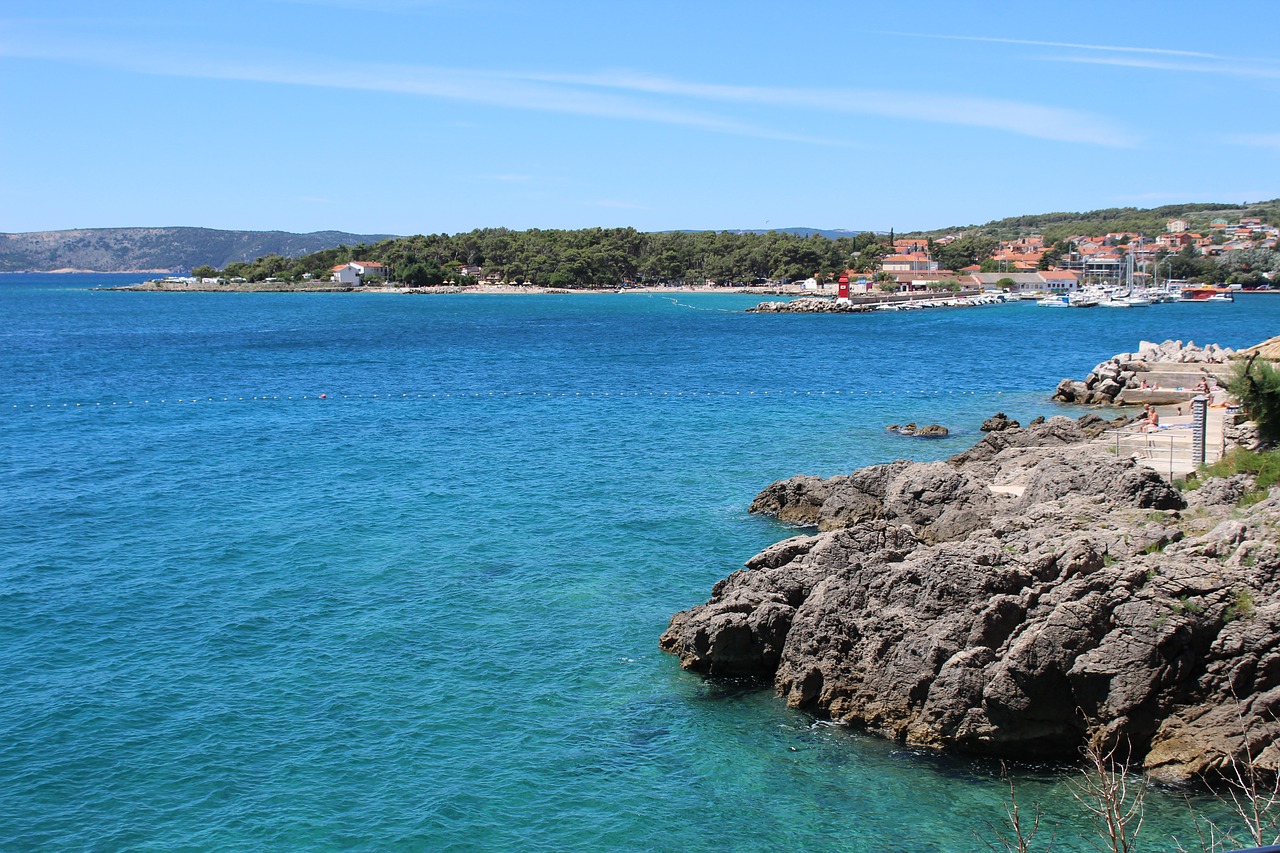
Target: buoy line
(473, 395)
(680, 304)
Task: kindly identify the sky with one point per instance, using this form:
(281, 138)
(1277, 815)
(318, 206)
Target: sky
(440, 116)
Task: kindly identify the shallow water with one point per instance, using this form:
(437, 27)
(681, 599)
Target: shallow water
(422, 612)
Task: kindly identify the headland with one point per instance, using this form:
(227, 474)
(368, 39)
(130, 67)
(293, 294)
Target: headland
(1033, 594)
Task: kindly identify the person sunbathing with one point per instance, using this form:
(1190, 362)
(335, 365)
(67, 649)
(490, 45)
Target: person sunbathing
(1152, 420)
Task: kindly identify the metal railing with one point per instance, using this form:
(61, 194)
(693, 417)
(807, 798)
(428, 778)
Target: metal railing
(1171, 451)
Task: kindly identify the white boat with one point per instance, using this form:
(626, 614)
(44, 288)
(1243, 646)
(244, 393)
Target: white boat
(1113, 297)
(1054, 302)
(1126, 302)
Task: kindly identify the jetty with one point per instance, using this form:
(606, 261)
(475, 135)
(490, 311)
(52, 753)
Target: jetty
(886, 302)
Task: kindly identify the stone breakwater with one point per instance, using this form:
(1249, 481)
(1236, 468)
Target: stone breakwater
(810, 306)
(1166, 373)
(1020, 599)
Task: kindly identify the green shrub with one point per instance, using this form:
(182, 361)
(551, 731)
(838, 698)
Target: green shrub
(1256, 384)
(1241, 607)
(1186, 604)
(1264, 466)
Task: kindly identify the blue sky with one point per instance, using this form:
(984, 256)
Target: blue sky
(424, 116)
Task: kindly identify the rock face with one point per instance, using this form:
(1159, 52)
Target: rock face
(1019, 599)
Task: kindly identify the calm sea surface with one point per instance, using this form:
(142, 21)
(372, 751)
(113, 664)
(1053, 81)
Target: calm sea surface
(371, 572)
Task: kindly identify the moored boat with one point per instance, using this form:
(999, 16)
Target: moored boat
(1206, 294)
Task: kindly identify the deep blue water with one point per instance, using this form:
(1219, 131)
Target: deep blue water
(421, 612)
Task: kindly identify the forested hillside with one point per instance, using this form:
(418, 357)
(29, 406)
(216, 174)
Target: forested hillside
(156, 249)
(1149, 221)
(586, 257)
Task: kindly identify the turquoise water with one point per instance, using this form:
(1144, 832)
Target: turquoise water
(422, 612)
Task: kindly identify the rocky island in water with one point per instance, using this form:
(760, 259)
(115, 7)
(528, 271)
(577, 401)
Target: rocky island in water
(1023, 598)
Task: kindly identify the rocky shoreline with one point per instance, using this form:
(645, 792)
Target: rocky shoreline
(1025, 597)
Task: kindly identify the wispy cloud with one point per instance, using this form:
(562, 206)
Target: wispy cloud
(1256, 140)
(1027, 119)
(626, 95)
(1153, 58)
(1076, 45)
(487, 87)
(1257, 69)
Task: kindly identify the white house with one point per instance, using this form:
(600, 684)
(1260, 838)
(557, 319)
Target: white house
(346, 274)
(354, 272)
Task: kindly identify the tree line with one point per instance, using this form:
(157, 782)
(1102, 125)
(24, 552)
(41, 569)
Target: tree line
(589, 257)
(611, 257)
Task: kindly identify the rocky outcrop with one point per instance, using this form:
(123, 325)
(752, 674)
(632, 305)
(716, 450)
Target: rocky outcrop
(999, 422)
(1019, 599)
(914, 430)
(1164, 373)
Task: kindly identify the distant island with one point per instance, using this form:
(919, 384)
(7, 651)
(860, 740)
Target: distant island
(158, 250)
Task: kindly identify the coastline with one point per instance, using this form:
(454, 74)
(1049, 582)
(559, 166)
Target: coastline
(802, 301)
(158, 286)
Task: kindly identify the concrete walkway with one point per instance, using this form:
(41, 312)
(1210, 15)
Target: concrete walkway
(1169, 450)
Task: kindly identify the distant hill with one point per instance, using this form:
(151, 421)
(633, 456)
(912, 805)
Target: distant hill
(829, 233)
(1056, 226)
(172, 250)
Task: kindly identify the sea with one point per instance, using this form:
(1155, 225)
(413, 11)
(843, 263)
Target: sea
(380, 572)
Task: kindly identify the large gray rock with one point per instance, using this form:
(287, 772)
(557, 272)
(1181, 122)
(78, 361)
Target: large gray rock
(1060, 473)
(829, 503)
(937, 500)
